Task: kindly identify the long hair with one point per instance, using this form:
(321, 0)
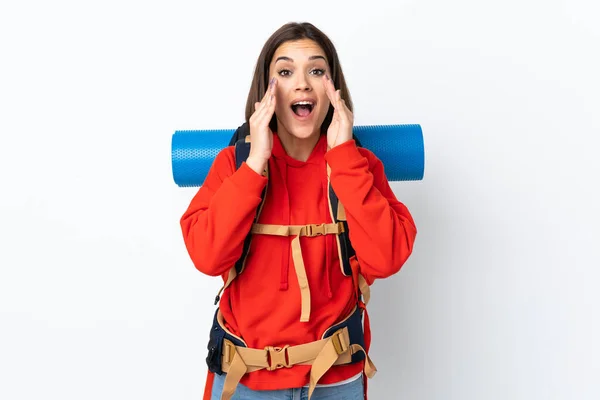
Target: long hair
(292, 32)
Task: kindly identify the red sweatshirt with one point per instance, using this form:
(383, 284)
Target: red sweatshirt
(262, 305)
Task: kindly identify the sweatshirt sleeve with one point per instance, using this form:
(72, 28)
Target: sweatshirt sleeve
(221, 214)
(382, 231)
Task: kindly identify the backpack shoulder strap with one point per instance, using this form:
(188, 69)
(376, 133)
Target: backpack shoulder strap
(240, 133)
(338, 215)
(241, 141)
(345, 249)
(242, 151)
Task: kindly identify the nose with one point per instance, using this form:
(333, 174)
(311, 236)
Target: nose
(302, 83)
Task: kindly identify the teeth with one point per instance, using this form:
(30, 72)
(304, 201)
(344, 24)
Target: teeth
(303, 103)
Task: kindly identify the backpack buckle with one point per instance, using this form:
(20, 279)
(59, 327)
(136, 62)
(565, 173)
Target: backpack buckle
(228, 351)
(277, 357)
(339, 343)
(313, 230)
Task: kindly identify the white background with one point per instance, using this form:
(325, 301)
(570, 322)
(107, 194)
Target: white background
(98, 297)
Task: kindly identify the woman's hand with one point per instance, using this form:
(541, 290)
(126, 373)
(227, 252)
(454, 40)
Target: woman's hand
(340, 129)
(261, 136)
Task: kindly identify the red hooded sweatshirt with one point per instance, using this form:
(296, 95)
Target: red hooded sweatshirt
(262, 305)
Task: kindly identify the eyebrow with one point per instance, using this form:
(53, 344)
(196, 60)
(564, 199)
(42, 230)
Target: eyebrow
(284, 58)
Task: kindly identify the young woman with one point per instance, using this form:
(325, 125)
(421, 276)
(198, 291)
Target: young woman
(290, 320)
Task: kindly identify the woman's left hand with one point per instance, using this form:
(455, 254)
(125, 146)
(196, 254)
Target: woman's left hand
(340, 129)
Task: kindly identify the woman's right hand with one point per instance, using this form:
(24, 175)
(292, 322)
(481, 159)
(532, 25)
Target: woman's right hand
(261, 136)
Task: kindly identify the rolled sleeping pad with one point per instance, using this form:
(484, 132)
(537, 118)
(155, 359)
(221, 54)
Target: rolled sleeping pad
(399, 147)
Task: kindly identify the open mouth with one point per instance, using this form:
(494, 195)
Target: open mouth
(303, 108)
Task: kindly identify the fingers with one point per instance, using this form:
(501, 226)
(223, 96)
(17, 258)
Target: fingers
(330, 90)
(269, 91)
(332, 95)
(266, 107)
(268, 97)
(335, 97)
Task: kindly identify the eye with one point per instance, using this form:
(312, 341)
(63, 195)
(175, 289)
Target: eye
(285, 72)
(318, 71)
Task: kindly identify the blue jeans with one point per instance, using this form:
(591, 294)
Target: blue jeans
(348, 391)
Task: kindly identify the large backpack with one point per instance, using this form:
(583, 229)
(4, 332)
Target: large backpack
(356, 326)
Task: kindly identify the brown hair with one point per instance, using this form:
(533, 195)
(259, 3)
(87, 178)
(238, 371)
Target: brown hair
(292, 32)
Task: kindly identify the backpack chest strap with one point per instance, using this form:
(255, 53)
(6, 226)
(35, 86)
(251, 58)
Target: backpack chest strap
(310, 230)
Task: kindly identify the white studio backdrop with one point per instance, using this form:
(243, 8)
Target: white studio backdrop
(98, 297)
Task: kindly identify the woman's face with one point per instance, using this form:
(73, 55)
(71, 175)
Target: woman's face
(302, 104)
